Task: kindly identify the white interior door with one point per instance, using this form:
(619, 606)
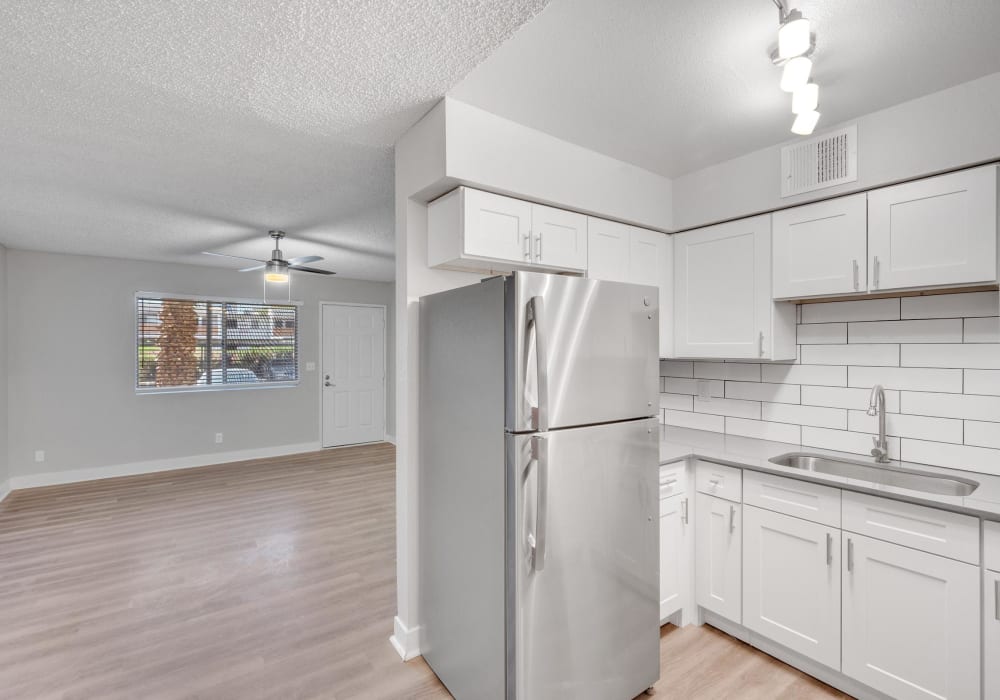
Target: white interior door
(353, 379)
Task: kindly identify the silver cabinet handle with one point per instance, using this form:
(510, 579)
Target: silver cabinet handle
(541, 499)
(829, 549)
(760, 343)
(669, 482)
(732, 519)
(996, 595)
(538, 244)
(857, 282)
(875, 265)
(713, 484)
(527, 246)
(850, 554)
(537, 319)
(684, 517)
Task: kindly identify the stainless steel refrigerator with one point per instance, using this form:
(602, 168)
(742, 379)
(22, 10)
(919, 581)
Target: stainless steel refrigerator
(538, 527)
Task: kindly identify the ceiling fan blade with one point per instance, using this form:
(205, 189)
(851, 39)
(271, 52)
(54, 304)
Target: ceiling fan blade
(252, 269)
(300, 268)
(227, 255)
(304, 259)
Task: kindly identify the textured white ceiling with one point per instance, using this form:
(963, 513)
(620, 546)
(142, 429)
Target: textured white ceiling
(155, 130)
(675, 86)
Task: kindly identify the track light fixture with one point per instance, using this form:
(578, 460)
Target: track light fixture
(796, 44)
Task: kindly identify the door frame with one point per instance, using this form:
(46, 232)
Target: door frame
(385, 376)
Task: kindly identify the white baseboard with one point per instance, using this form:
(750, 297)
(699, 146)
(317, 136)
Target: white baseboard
(390, 438)
(405, 640)
(4, 489)
(28, 481)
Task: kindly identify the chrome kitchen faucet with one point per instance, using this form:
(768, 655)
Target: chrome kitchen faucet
(876, 406)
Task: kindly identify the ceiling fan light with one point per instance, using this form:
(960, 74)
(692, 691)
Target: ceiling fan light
(805, 99)
(276, 277)
(805, 123)
(795, 73)
(793, 36)
(276, 272)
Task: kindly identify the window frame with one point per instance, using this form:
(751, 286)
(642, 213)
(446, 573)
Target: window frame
(197, 389)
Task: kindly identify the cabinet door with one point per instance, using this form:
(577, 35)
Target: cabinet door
(673, 561)
(496, 227)
(821, 248)
(722, 289)
(991, 639)
(911, 621)
(940, 231)
(791, 583)
(608, 250)
(718, 556)
(651, 262)
(559, 237)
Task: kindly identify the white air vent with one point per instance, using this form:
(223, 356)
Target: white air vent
(824, 161)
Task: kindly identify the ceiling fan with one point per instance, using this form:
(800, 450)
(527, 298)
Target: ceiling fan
(277, 268)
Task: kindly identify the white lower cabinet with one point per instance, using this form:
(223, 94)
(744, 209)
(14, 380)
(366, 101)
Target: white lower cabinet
(718, 556)
(991, 636)
(673, 554)
(791, 583)
(910, 621)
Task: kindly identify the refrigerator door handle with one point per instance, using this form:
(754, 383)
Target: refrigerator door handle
(536, 319)
(541, 452)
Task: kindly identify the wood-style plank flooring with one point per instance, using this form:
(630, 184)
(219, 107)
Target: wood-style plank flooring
(264, 579)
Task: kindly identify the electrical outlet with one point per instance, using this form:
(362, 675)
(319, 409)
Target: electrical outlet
(704, 390)
(218, 438)
(310, 367)
(39, 455)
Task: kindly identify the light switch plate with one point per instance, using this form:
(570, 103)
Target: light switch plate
(310, 367)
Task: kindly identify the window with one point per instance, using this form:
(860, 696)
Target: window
(202, 344)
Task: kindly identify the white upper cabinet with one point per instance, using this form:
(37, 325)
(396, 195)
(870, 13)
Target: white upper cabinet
(722, 294)
(821, 249)
(936, 232)
(621, 253)
(791, 583)
(559, 238)
(910, 621)
(608, 249)
(472, 230)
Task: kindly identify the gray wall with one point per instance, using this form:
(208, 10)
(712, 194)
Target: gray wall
(71, 364)
(3, 369)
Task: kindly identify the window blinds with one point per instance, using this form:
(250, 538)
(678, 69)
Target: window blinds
(203, 343)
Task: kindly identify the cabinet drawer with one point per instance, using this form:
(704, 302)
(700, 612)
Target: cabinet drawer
(991, 548)
(820, 504)
(673, 479)
(928, 529)
(718, 480)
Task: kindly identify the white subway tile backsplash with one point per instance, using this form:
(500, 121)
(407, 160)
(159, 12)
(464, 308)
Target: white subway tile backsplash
(698, 421)
(864, 310)
(982, 434)
(982, 330)
(676, 368)
(982, 381)
(938, 357)
(971, 356)
(804, 374)
(675, 385)
(677, 402)
(845, 441)
(758, 391)
(986, 408)
(821, 333)
(804, 415)
(908, 378)
(739, 371)
(952, 305)
(763, 430)
(729, 407)
(882, 355)
(942, 454)
(902, 425)
(937, 330)
(840, 397)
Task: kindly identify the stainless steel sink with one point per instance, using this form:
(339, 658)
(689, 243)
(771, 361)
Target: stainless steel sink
(889, 476)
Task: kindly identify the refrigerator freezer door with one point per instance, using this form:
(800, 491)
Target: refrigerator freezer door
(579, 351)
(583, 619)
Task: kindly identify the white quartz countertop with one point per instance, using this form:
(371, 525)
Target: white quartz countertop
(749, 453)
